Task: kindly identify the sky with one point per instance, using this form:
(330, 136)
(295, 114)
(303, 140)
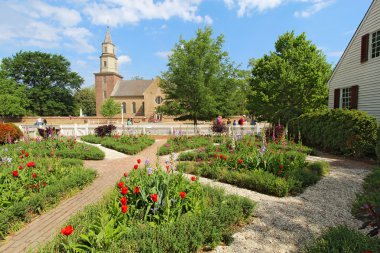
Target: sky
(145, 31)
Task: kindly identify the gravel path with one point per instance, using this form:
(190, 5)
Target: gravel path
(284, 224)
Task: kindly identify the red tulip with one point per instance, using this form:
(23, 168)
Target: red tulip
(221, 156)
(120, 184)
(123, 200)
(215, 155)
(240, 161)
(125, 174)
(136, 166)
(20, 167)
(182, 195)
(34, 175)
(22, 151)
(67, 230)
(31, 164)
(154, 197)
(281, 166)
(21, 156)
(136, 190)
(139, 161)
(26, 154)
(193, 178)
(124, 208)
(124, 190)
(15, 173)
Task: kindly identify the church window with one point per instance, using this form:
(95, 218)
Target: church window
(124, 107)
(105, 49)
(159, 100)
(105, 63)
(133, 107)
(104, 79)
(143, 108)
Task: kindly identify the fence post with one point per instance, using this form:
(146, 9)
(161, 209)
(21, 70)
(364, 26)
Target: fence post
(87, 129)
(75, 130)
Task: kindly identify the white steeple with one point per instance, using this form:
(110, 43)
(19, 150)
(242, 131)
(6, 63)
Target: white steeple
(108, 60)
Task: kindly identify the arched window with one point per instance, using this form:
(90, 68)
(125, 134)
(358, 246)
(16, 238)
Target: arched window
(159, 100)
(143, 108)
(133, 107)
(124, 107)
(105, 49)
(105, 63)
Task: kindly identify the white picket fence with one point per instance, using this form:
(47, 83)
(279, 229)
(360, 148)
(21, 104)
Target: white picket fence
(77, 130)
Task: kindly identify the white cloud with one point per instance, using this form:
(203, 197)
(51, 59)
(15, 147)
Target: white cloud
(124, 59)
(208, 20)
(163, 54)
(317, 5)
(34, 23)
(119, 12)
(246, 7)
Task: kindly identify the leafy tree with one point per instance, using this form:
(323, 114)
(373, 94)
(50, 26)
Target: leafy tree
(85, 99)
(200, 82)
(110, 108)
(13, 98)
(290, 81)
(48, 80)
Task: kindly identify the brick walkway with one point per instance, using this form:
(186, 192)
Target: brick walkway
(44, 227)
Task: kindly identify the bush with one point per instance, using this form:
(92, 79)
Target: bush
(105, 130)
(9, 133)
(91, 139)
(343, 239)
(340, 131)
(378, 144)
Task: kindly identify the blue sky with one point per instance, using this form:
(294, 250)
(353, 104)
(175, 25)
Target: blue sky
(144, 31)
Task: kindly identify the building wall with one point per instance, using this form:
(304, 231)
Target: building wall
(150, 95)
(104, 84)
(350, 71)
(129, 100)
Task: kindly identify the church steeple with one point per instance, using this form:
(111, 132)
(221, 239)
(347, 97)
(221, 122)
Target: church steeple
(108, 60)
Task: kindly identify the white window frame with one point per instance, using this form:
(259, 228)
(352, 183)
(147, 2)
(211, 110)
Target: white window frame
(345, 98)
(371, 44)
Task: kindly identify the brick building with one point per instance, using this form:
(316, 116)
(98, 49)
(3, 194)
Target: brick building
(137, 98)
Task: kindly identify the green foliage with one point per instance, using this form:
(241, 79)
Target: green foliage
(343, 239)
(71, 162)
(340, 131)
(204, 217)
(105, 130)
(91, 138)
(199, 67)
(85, 99)
(370, 194)
(181, 143)
(48, 80)
(127, 144)
(13, 98)
(290, 81)
(110, 108)
(378, 144)
(28, 189)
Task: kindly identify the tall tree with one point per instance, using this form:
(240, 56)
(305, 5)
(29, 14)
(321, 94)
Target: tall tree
(290, 81)
(49, 82)
(200, 82)
(110, 108)
(85, 99)
(13, 98)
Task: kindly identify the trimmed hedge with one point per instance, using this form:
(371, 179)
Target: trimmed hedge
(339, 131)
(378, 144)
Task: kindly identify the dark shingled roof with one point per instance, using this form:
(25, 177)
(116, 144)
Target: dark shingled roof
(130, 88)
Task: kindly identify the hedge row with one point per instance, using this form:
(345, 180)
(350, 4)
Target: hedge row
(339, 131)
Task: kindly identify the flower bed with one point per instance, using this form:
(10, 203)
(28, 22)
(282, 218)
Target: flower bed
(154, 211)
(181, 143)
(274, 168)
(31, 183)
(64, 148)
(127, 144)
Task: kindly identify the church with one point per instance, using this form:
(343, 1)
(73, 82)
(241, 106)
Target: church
(137, 98)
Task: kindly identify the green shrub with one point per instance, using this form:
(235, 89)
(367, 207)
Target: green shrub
(91, 139)
(104, 130)
(71, 162)
(378, 144)
(340, 131)
(342, 239)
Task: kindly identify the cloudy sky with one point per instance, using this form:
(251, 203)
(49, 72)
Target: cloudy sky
(145, 31)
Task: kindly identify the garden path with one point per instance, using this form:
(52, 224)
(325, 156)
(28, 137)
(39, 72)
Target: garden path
(284, 225)
(44, 227)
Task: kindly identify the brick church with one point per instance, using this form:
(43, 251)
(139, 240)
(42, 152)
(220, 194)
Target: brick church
(137, 98)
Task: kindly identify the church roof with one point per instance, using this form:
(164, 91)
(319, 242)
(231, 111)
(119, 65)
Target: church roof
(125, 88)
(108, 36)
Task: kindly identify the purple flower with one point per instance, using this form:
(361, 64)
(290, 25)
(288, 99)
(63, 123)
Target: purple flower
(146, 162)
(150, 171)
